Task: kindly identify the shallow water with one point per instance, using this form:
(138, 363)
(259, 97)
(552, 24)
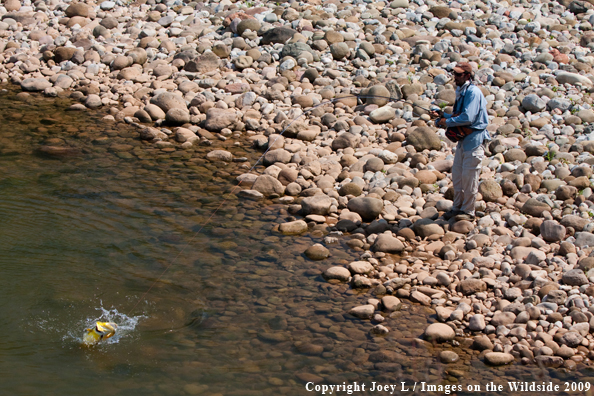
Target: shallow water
(235, 309)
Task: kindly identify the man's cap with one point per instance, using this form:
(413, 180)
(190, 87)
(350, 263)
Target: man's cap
(463, 67)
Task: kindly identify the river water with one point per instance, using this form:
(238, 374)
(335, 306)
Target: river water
(110, 229)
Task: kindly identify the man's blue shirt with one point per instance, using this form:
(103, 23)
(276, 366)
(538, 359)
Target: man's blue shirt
(473, 113)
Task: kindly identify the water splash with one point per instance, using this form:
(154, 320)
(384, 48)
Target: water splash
(126, 325)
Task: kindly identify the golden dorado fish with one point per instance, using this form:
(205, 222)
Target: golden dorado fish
(101, 331)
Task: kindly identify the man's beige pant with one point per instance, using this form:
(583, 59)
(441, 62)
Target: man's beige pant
(465, 176)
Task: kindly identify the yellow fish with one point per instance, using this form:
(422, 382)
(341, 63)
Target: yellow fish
(101, 331)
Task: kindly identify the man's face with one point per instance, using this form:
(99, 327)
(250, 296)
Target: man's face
(459, 78)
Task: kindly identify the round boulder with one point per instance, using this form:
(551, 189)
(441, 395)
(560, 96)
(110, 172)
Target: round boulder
(439, 332)
(367, 208)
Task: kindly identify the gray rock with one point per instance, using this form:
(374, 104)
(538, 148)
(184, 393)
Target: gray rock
(533, 103)
(382, 115)
(575, 277)
(318, 204)
(490, 190)
(278, 155)
(295, 49)
(471, 286)
(448, 357)
(337, 272)
(277, 35)
(35, 84)
(268, 185)
(168, 100)
(439, 332)
(502, 318)
(379, 94)
(294, 228)
(498, 358)
(345, 140)
(360, 267)
(549, 361)
(391, 303)
(583, 239)
(571, 339)
(423, 138)
(367, 208)
(477, 322)
(551, 231)
(339, 51)
(363, 311)
(177, 116)
(388, 244)
(317, 252)
(217, 119)
(534, 207)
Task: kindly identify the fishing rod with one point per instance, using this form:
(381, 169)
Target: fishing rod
(329, 101)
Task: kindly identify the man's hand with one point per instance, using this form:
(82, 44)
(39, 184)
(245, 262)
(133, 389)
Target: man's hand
(435, 114)
(441, 123)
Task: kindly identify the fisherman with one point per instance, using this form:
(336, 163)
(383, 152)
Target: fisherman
(466, 125)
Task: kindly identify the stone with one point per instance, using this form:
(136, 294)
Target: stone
(93, 101)
(177, 116)
(217, 119)
(423, 138)
(350, 189)
(317, 252)
(168, 100)
(378, 94)
(490, 190)
(387, 243)
(427, 227)
(204, 63)
(571, 339)
(477, 322)
(462, 227)
(35, 84)
(576, 222)
(251, 24)
(345, 140)
(268, 185)
(382, 115)
(77, 9)
(498, 358)
(482, 343)
(277, 35)
(279, 155)
(512, 155)
(391, 303)
(218, 155)
(534, 207)
(574, 79)
(439, 332)
(318, 204)
(337, 272)
(363, 311)
(426, 177)
(549, 361)
(471, 286)
(339, 51)
(502, 318)
(367, 208)
(360, 267)
(551, 231)
(294, 228)
(533, 103)
(583, 239)
(575, 277)
(448, 357)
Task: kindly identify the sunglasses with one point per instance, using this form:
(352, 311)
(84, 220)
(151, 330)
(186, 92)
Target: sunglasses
(458, 74)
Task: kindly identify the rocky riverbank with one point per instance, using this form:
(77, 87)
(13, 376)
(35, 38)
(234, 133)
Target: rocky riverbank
(517, 280)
